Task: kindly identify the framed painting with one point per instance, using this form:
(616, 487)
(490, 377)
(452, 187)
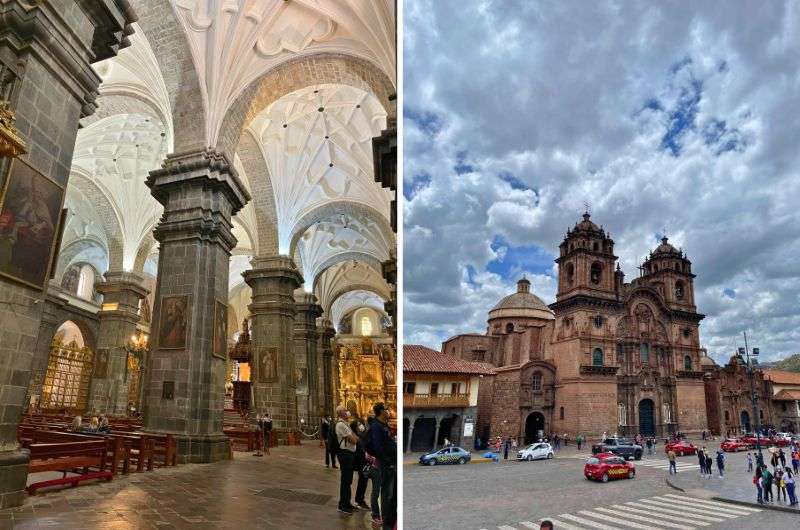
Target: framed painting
(220, 340)
(173, 326)
(30, 210)
(267, 364)
(101, 364)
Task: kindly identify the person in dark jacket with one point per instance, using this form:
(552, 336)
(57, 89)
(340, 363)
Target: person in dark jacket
(358, 462)
(384, 448)
(325, 429)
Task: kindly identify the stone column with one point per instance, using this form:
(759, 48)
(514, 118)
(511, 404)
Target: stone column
(436, 432)
(121, 292)
(46, 49)
(272, 314)
(185, 375)
(411, 421)
(306, 355)
(328, 369)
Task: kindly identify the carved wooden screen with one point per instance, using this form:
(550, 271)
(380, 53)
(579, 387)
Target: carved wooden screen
(134, 381)
(66, 382)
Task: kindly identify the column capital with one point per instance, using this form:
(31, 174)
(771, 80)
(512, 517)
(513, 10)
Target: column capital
(121, 292)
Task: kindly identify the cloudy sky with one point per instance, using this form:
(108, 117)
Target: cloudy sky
(661, 117)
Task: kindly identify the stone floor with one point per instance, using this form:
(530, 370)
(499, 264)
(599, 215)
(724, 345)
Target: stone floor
(291, 488)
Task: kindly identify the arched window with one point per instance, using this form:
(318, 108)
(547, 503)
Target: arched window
(561, 413)
(85, 283)
(596, 271)
(679, 290)
(366, 326)
(536, 383)
(597, 357)
(644, 353)
(509, 327)
(570, 273)
(687, 363)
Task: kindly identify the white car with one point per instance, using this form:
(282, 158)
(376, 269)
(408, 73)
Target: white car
(536, 451)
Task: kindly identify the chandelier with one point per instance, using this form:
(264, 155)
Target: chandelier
(11, 144)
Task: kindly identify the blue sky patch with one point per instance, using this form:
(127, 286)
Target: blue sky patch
(515, 183)
(730, 293)
(682, 118)
(429, 122)
(462, 166)
(532, 258)
(413, 185)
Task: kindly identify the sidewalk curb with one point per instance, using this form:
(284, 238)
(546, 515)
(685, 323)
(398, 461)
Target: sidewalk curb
(756, 505)
(740, 503)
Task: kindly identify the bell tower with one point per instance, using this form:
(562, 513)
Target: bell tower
(670, 271)
(586, 262)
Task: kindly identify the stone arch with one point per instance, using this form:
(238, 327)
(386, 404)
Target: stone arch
(118, 102)
(112, 224)
(262, 192)
(171, 49)
(87, 330)
(70, 251)
(145, 249)
(356, 287)
(347, 256)
(295, 74)
(338, 207)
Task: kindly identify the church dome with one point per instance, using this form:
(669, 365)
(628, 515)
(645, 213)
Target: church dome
(587, 224)
(523, 303)
(665, 248)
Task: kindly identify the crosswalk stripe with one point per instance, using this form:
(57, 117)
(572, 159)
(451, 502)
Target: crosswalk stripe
(586, 522)
(675, 512)
(644, 519)
(651, 513)
(715, 503)
(506, 527)
(528, 524)
(686, 502)
(561, 524)
(690, 510)
(616, 520)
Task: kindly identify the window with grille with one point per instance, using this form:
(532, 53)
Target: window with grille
(536, 383)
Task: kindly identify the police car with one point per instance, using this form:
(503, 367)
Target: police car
(608, 466)
(536, 451)
(448, 455)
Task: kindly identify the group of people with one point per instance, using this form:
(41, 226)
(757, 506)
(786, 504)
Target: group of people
(370, 451)
(95, 425)
(782, 476)
(706, 462)
(264, 425)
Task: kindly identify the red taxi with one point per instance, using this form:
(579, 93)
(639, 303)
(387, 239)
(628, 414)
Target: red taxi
(607, 466)
(731, 445)
(779, 441)
(681, 447)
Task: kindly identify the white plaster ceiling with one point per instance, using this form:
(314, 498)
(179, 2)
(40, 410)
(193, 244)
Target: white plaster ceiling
(348, 276)
(352, 300)
(117, 153)
(234, 42)
(244, 222)
(315, 156)
(135, 72)
(340, 234)
(83, 223)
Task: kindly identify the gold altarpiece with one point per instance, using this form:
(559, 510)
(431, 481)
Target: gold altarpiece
(367, 375)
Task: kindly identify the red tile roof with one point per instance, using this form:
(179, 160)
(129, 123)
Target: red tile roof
(787, 395)
(782, 377)
(420, 359)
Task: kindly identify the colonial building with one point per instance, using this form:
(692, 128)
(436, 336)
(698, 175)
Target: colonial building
(729, 405)
(608, 355)
(785, 388)
(441, 396)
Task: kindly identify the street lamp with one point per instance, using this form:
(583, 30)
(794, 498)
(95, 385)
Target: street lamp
(750, 371)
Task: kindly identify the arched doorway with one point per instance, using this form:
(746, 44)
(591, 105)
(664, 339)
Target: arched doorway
(534, 427)
(744, 418)
(446, 430)
(647, 423)
(69, 371)
(422, 437)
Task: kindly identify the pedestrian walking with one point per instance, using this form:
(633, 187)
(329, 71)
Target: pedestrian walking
(514, 445)
(757, 479)
(796, 462)
(709, 464)
(345, 452)
(749, 462)
(780, 485)
(721, 463)
(649, 446)
(788, 478)
(766, 483)
(782, 457)
(701, 460)
(774, 460)
(673, 470)
(325, 428)
(506, 446)
(579, 440)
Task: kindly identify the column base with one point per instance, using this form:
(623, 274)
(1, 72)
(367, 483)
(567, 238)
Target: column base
(202, 448)
(13, 477)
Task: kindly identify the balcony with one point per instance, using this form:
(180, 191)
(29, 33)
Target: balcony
(435, 400)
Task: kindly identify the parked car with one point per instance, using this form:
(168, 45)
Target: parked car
(607, 466)
(536, 451)
(620, 447)
(732, 445)
(681, 447)
(448, 455)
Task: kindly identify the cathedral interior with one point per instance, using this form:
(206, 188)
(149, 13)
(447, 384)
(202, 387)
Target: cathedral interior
(197, 217)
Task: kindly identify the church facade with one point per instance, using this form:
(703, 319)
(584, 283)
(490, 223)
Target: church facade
(606, 356)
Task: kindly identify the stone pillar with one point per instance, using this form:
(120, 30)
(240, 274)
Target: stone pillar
(329, 367)
(272, 314)
(436, 433)
(306, 355)
(411, 421)
(121, 292)
(185, 375)
(46, 49)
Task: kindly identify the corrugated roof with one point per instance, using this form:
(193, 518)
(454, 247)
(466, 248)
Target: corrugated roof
(421, 359)
(782, 377)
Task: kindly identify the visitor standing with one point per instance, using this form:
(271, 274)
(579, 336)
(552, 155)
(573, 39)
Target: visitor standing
(788, 478)
(345, 452)
(782, 457)
(701, 460)
(506, 447)
(360, 462)
(649, 446)
(766, 483)
(757, 480)
(709, 464)
(579, 440)
(383, 447)
(796, 461)
(780, 485)
(267, 431)
(749, 462)
(673, 470)
(721, 463)
(325, 428)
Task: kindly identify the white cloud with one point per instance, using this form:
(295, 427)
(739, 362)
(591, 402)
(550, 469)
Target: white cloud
(575, 100)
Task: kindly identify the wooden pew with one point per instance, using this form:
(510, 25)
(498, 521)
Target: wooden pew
(165, 448)
(68, 457)
(242, 435)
